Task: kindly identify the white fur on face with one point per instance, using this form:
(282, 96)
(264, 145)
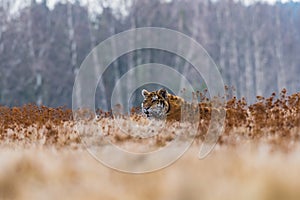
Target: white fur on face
(157, 111)
(154, 98)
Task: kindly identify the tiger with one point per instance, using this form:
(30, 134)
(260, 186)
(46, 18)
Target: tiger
(160, 104)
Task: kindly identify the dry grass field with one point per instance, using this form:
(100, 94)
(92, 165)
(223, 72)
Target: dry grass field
(257, 156)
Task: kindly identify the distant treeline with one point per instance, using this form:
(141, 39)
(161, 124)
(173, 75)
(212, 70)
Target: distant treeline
(256, 47)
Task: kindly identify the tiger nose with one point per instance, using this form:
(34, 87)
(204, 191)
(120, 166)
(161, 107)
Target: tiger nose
(146, 111)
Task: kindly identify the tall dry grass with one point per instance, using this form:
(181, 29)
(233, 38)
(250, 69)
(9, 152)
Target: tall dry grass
(43, 156)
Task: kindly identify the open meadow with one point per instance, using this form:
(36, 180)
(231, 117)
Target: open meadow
(159, 99)
(257, 156)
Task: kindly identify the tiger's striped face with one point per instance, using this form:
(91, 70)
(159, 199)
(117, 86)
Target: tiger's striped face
(155, 104)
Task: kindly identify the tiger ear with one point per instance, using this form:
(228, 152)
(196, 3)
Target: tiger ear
(145, 93)
(163, 92)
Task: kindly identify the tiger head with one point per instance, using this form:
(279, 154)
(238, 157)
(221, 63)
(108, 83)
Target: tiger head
(155, 104)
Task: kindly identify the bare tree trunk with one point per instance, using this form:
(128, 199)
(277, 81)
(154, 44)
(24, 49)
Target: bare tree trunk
(281, 78)
(115, 64)
(195, 32)
(258, 66)
(178, 61)
(103, 98)
(249, 79)
(33, 57)
(73, 48)
(234, 66)
(3, 22)
(222, 44)
(259, 58)
(131, 61)
(292, 63)
(248, 90)
(2, 25)
(71, 33)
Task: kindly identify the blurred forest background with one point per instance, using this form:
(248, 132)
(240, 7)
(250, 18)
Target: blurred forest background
(256, 46)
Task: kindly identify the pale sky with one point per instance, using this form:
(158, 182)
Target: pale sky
(115, 3)
(270, 1)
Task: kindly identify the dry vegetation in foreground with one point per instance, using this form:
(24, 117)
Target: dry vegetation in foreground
(43, 156)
